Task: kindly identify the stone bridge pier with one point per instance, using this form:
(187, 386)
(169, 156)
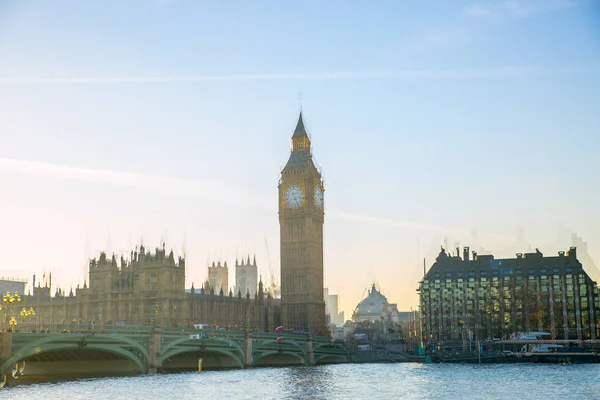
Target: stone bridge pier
(5, 353)
(309, 351)
(154, 351)
(5, 344)
(248, 359)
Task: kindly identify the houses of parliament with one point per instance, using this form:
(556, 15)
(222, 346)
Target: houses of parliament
(149, 287)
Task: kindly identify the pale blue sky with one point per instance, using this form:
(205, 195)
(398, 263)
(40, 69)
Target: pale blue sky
(129, 119)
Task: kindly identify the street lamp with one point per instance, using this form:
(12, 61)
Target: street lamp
(247, 326)
(154, 315)
(26, 313)
(8, 300)
(13, 323)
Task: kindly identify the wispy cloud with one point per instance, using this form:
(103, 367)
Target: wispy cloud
(414, 225)
(501, 10)
(498, 72)
(390, 222)
(86, 174)
(175, 186)
(194, 188)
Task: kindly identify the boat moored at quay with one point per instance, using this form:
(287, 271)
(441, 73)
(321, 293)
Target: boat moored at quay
(530, 347)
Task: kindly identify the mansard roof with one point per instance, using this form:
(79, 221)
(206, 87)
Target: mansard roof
(528, 264)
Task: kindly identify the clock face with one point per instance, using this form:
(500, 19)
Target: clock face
(319, 197)
(294, 197)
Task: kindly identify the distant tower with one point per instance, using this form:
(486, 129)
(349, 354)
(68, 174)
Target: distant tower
(218, 277)
(246, 276)
(301, 218)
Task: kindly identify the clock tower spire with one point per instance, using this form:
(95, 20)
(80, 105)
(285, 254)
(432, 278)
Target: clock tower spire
(300, 139)
(301, 218)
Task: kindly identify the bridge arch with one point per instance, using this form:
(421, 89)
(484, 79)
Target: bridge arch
(263, 348)
(28, 351)
(210, 347)
(83, 338)
(114, 344)
(199, 342)
(202, 349)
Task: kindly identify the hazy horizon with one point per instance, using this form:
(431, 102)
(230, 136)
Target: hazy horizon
(170, 121)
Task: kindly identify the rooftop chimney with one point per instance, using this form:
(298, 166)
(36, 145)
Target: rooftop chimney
(466, 254)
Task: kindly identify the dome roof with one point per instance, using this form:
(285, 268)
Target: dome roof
(373, 305)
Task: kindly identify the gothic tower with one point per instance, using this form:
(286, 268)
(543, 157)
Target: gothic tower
(301, 218)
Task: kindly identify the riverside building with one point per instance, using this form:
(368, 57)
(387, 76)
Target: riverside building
(493, 298)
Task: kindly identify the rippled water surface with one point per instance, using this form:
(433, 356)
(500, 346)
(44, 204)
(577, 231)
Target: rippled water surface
(349, 381)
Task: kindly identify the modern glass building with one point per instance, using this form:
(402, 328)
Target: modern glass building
(493, 298)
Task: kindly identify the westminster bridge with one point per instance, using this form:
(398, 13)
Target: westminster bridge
(119, 350)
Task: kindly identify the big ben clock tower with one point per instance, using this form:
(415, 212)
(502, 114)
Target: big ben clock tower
(301, 218)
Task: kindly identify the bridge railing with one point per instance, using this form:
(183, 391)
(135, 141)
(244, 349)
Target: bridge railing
(106, 329)
(274, 335)
(232, 334)
(89, 328)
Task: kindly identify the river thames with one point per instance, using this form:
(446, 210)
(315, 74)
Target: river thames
(344, 381)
